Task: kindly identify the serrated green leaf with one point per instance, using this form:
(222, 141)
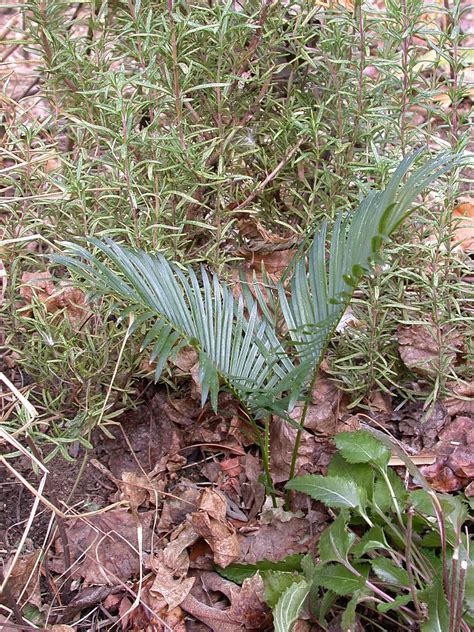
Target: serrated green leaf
(373, 539)
(336, 540)
(289, 606)
(308, 566)
(438, 610)
(325, 605)
(421, 501)
(334, 492)
(349, 615)
(400, 600)
(389, 572)
(239, 572)
(458, 514)
(275, 583)
(339, 579)
(431, 540)
(469, 588)
(362, 447)
(360, 473)
(382, 496)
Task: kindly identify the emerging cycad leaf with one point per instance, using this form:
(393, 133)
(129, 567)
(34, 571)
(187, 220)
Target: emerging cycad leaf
(324, 280)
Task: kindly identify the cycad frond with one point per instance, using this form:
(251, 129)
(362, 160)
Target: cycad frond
(233, 342)
(323, 282)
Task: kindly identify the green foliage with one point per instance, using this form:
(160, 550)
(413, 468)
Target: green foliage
(384, 568)
(161, 129)
(388, 562)
(239, 572)
(335, 492)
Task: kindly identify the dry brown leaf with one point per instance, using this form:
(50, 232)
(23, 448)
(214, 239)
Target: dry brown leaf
(461, 401)
(182, 411)
(4, 627)
(105, 546)
(138, 489)
(150, 616)
(175, 555)
(381, 404)
(454, 465)
(463, 234)
(183, 500)
(312, 456)
(170, 583)
(347, 4)
(323, 416)
(459, 432)
(247, 610)
(185, 359)
(461, 461)
(38, 284)
(257, 238)
(55, 297)
(469, 491)
(441, 477)
(423, 432)
(24, 578)
(211, 524)
(277, 540)
(231, 466)
(253, 490)
(88, 598)
(419, 348)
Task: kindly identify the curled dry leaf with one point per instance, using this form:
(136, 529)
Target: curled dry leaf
(313, 456)
(247, 610)
(24, 578)
(420, 351)
(463, 233)
(105, 547)
(139, 490)
(170, 584)
(211, 524)
(55, 297)
(461, 401)
(454, 465)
